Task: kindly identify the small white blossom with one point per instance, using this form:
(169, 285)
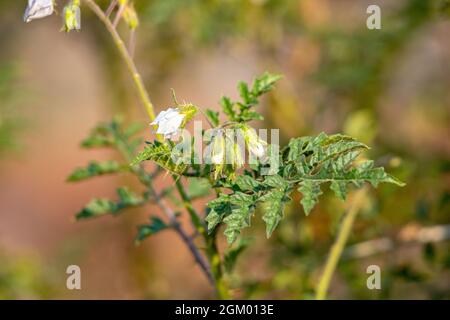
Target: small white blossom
(168, 122)
(255, 145)
(218, 149)
(38, 9)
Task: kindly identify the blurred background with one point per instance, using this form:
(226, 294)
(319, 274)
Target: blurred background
(388, 88)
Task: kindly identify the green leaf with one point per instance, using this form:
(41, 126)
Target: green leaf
(95, 208)
(274, 203)
(213, 116)
(127, 198)
(99, 207)
(198, 187)
(220, 207)
(276, 181)
(95, 169)
(145, 230)
(251, 115)
(227, 107)
(100, 136)
(231, 255)
(265, 83)
(339, 188)
(163, 155)
(311, 161)
(246, 183)
(311, 192)
(243, 207)
(245, 94)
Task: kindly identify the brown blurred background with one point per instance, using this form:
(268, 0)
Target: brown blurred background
(388, 87)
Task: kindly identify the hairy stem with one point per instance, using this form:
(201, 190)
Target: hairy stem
(339, 245)
(137, 79)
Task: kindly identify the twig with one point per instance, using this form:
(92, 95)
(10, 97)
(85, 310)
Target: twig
(111, 8)
(118, 15)
(126, 57)
(132, 43)
(184, 236)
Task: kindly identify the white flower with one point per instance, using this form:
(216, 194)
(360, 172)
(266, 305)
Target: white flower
(168, 122)
(255, 145)
(37, 9)
(218, 148)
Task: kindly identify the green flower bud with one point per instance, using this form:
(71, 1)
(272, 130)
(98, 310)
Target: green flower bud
(72, 16)
(218, 153)
(255, 145)
(189, 111)
(130, 16)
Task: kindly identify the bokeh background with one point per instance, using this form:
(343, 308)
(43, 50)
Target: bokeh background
(388, 88)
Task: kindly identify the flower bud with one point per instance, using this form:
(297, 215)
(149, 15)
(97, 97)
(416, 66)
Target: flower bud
(130, 16)
(218, 149)
(233, 149)
(72, 16)
(255, 145)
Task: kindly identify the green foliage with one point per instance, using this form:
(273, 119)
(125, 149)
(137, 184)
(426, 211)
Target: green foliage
(311, 192)
(242, 207)
(164, 155)
(146, 230)
(307, 163)
(100, 207)
(213, 116)
(114, 135)
(274, 201)
(242, 111)
(95, 168)
(198, 188)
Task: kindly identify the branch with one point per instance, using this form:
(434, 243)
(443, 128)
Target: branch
(126, 57)
(184, 236)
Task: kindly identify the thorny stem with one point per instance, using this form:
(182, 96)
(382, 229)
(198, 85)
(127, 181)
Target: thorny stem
(339, 245)
(211, 247)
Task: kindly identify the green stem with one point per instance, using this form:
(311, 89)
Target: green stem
(215, 262)
(137, 79)
(339, 245)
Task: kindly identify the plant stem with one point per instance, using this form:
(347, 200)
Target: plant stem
(143, 94)
(146, 180)
(211, 247)
(212, 251)
(184, 236)
(338, 246)
(215, 262)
